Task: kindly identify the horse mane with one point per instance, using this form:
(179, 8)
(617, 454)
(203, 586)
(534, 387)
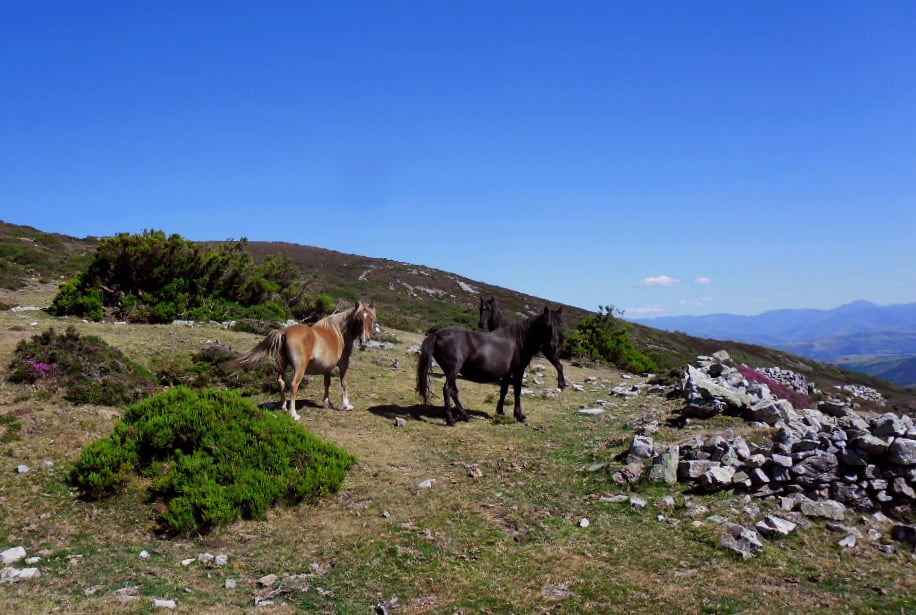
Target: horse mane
(520, 329)
(342, 321)
(335, 321)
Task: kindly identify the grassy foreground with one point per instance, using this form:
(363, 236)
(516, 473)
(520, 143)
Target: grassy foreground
(498, 531)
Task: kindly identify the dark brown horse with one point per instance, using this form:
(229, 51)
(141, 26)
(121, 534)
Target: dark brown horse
(496, 356)
(314, 350)
(491, 318)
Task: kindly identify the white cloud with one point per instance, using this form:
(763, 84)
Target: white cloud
(703, 280)
(661, 280)
(695, 302)
(651, 309)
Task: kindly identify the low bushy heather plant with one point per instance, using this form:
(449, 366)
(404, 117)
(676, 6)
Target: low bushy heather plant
(86, 368)
(796, 398)
(207, 368)
(212, 457)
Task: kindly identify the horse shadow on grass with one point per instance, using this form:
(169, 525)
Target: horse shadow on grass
(420, 412)
(300, 404)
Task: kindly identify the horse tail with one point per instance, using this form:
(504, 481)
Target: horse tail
(269, 349)
(426, 356)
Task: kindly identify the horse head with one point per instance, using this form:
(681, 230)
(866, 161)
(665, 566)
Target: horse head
(364, 321)
(487, 312)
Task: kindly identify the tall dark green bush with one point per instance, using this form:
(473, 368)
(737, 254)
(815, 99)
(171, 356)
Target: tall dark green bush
(213, 457)
(601, 337)
(156, 278)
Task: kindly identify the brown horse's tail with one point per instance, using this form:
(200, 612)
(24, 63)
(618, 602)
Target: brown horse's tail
(426, 358)
(268, 350)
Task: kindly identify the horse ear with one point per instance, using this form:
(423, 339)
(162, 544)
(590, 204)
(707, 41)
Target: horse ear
(546, 310)
(356, 307)
(560, 310)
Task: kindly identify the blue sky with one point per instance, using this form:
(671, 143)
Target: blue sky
(666, 158)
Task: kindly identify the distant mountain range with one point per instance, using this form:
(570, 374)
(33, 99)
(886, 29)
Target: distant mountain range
(877, 340)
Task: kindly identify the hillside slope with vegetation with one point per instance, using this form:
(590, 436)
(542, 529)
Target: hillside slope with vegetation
(488, 516)
(416, 298)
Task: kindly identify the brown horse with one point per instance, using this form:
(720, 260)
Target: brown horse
(314, 350)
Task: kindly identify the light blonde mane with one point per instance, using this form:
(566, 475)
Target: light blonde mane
(335, 321)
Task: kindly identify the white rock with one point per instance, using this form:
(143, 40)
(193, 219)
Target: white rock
(584, 522)
(771, 524)
(13, 555)
(29, 573)
(426, 484)
(144, 554)
(164, 604)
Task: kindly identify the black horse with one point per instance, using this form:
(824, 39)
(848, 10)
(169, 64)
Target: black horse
(496, 356)
(491, 318)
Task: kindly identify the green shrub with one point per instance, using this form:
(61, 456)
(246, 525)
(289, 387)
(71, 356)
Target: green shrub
(157, 278)
(207, 368)
(86, 368)
(213, 457)
(602, 338)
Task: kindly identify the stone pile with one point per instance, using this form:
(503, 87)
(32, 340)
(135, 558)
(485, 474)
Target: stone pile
(826, 454)
(817, 462)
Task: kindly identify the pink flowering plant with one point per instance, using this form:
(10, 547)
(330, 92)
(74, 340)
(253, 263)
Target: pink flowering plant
(796, 398)
(39, 370)
(85, 368)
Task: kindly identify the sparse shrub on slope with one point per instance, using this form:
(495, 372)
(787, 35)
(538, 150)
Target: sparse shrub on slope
(602, 338)
(213, 457)
(207, 368)
(85, 368)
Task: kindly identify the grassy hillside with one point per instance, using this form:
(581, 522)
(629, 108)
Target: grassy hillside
(490, 516)
(28, 255)
(415, 298)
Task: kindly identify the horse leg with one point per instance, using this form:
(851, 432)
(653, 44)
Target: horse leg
(464, 413)
(327, 392)
(344, 385)
(450, 392)
(503, 389)
(517, 386)
(294, 390)
(447, 396)
(282, 384)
